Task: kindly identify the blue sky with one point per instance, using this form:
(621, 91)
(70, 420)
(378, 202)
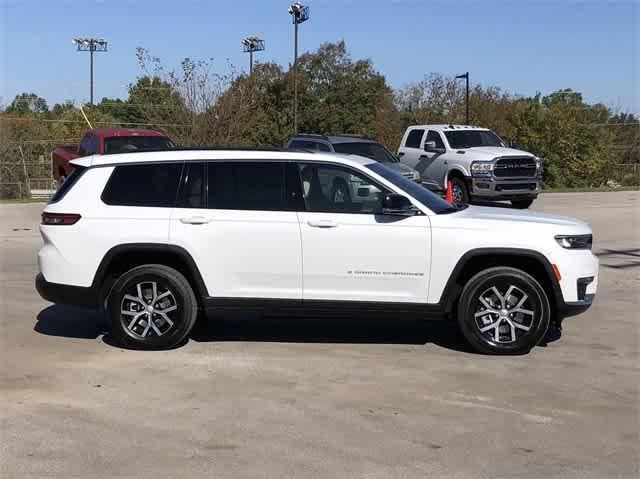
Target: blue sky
(520, 46)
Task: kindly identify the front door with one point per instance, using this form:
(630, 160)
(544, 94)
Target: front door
(240, 231)
(352, 252)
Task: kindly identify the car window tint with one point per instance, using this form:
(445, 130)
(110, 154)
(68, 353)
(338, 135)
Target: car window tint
(83, 149)
(246, 186)
(192, 193)
(153, 185)
(334, 189)
(414, 138)
(435, 136)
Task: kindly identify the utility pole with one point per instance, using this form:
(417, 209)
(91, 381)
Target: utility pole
(466, 77)
(299, 14)
(252, 44)
(90, 45)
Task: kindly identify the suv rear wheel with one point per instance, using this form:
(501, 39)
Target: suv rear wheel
(152, 307)
(503, 311)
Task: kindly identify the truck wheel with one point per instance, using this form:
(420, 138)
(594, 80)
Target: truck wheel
(503, 311)
(459, 191)
(521, 204)
(152, 307)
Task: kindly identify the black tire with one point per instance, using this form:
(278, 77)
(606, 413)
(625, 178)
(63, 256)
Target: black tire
(460, 192)
(521, 204)
(172, 315)
(481, 330)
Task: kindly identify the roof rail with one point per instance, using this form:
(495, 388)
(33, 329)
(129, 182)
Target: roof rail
(203, 148)
(309, 135)
(353, 135)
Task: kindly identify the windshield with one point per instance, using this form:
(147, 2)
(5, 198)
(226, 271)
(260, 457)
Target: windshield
(471, 138)
(126, 144)
(372, 150)
(423, 195)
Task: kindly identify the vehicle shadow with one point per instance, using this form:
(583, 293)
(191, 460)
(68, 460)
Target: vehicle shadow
(620, 258)
(72, 322)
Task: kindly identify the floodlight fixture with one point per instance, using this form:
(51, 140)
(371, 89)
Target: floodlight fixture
(90, 45)
(251, 44)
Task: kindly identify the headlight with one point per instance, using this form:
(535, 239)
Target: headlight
(575, 241)
(416, 175)
(481, 168)
(538, 167)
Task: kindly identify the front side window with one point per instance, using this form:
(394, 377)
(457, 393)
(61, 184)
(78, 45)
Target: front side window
(414, 138)
(435, 137)
(375, 151)
(472, 138)
(151, 185)
(246, 186)
(334, 189)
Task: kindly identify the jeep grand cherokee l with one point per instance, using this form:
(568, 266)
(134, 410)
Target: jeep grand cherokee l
(154, 237)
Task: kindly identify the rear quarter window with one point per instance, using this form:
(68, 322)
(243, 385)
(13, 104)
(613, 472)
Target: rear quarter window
(151, 185)
(71, 180)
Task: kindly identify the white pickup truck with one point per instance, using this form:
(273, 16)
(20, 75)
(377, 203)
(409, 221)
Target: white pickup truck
(476, 161)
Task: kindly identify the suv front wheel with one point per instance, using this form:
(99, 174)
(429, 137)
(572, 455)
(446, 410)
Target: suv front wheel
(151, 307)
(503, 310)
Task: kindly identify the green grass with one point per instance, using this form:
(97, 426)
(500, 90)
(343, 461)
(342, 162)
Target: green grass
(587, 189)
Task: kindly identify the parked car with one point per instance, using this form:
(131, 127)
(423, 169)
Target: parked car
(476, 161)
(230, 230)
(104, 141)
(352, 145)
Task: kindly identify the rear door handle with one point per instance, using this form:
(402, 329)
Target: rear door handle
(195, 220)
(322, 223)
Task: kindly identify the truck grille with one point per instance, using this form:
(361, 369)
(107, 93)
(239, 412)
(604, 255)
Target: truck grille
(521, 167)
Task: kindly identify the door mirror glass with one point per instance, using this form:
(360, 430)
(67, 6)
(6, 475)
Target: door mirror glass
(513, 143)
(394, 204)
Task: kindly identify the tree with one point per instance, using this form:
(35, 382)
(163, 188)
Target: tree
(27, 103)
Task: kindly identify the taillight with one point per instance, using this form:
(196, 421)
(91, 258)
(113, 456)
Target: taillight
(59, 218)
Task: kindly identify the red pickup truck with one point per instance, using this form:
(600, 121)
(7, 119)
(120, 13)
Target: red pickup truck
(99, 141)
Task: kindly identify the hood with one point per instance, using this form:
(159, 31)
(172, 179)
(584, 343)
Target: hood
(484, 214)
(492, 151)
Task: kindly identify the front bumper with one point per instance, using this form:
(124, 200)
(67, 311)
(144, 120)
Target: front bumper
(65, 294)
(504, 188)
(577, 307)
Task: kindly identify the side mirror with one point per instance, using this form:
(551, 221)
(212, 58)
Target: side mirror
(513, 143)
(430, 146)
(398, 205)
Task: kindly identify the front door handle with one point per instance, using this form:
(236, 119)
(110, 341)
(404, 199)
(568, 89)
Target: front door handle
(400, 154)
(322, 223)
(195, 220)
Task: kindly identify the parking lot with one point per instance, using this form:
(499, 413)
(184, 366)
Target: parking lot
(250, 397)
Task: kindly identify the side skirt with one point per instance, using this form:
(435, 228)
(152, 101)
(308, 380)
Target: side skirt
(323, 308)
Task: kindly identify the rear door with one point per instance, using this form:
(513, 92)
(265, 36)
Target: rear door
(410, 152)
(235, 220)
(350, 251)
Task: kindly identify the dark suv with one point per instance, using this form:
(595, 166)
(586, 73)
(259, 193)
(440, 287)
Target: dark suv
(352, 145)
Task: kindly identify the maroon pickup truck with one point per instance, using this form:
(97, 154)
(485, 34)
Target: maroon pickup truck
(100, 141)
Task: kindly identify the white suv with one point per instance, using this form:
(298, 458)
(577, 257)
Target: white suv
(154, 237)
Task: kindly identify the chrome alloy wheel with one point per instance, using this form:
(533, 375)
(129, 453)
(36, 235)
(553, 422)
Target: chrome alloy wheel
(148, 312)
(504, 317)
(457, 194)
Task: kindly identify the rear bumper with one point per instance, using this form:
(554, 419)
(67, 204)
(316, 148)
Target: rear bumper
(65, 294)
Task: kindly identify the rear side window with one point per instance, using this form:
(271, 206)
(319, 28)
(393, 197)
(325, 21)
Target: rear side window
(85, 145)
(247, 186)
(414, 139)
(193, 191)
(68, 183)
(153, 185)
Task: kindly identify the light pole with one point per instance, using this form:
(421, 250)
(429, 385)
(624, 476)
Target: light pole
(252, 44)
(466, 102)
(299, 14)
(90, 45)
